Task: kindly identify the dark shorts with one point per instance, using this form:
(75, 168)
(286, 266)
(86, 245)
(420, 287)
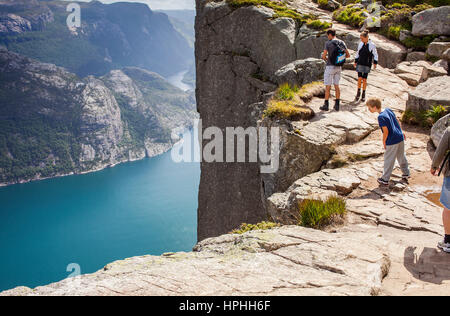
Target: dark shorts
(363, 71)
(363, 75)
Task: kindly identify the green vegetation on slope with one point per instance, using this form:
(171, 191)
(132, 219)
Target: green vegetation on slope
(317, 213)
(282, 10)
(425, 118)
(249, 227)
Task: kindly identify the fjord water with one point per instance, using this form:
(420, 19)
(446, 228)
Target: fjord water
(138, 208)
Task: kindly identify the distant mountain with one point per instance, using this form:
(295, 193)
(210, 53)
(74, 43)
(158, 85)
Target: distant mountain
(184, 22)
(53, 123)
(111, 36)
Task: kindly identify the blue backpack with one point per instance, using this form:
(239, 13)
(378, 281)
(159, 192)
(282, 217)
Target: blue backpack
(338, 57)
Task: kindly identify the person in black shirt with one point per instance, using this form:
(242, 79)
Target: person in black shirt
(365, 56)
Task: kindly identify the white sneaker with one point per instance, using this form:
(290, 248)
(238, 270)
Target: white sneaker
(442, 245)
(446, 249)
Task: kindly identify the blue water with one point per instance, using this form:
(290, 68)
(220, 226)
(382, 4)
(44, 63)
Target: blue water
(138, 208)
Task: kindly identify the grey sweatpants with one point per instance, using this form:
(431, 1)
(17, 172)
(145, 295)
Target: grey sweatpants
(395, 152)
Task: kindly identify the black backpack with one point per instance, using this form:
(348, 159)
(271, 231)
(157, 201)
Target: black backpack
(337, 57)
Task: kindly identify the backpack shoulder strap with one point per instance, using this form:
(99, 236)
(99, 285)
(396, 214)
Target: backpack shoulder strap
(447, 158)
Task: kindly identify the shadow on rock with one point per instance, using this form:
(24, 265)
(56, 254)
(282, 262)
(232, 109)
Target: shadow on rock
(432, 265)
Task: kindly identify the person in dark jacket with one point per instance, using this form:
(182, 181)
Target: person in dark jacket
(366, 55)
(438, 162)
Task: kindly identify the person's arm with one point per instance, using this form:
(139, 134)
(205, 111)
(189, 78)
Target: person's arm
(357, 54)
(375, 56)
(385, 135)
(325, 55)
(439, 155)
(347, 54)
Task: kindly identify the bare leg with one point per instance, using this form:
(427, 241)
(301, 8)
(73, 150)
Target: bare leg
(338, 92)
(364, 84)
(327, 92)
(446, 220)
(360, 82)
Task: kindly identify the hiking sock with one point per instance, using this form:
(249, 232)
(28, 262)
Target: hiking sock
(358, 95)
(325, 106)
(336, 104)
(447, 239)
(363, 97)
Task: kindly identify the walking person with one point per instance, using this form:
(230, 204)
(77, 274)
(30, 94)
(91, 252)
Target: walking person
(440, 165)
(365, 56)
(334, 54)
(393, 141)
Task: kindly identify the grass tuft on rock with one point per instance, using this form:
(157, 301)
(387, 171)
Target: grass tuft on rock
(425, 118)
(288, 104)
(249, 227)
(318, 214)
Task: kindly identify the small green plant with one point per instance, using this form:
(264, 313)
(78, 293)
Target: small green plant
(249, 227)
(337, 161)
(419, 43)
(350, 15)
(317, 213)
(436, 113)
(286, 92)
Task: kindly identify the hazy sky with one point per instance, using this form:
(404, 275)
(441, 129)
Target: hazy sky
(159, 4)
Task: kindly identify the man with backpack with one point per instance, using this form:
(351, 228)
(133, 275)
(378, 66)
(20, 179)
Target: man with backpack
(334, 54)
(440, 165)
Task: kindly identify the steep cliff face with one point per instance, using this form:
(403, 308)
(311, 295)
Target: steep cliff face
(235, 48)
(53, 123)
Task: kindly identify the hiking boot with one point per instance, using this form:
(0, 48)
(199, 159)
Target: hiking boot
(358, 95)
(325, 107)
(336, 105)
(363, 97)
(383, 182)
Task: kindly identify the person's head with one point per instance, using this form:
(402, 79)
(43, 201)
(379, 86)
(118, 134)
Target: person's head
(364, 36)
(331, 33)
(374, 105)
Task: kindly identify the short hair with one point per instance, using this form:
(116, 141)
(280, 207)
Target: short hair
(365, 33)
(374, 102)
(331, 32)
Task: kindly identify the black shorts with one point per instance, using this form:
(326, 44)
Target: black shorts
(363, 75)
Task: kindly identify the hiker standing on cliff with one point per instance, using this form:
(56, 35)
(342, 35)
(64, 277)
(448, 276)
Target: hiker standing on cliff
(365, 56)
(440, 164)
(334, 54)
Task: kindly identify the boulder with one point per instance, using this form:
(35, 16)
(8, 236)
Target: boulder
(432, 22)
(411, 79)
(300, 72)
(309, 44)
(430, 93)
(416, 56)
(404, 34)
(437, 49)
(446, 55)
(331, 5)
(411, 73)
(438, 129)
(441, 64)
